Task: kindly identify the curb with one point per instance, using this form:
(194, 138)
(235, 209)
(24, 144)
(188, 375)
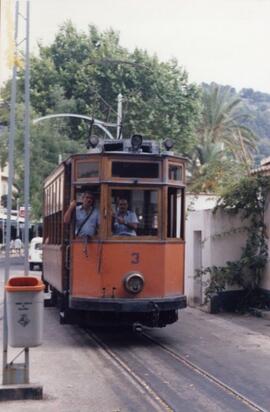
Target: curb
(20, 392)
(259, 313)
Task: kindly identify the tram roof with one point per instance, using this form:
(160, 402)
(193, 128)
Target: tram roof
(125, 147)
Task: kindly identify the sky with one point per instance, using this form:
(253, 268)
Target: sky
(225, 41)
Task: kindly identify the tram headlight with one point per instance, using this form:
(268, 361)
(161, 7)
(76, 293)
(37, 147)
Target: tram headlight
(134, 282)
(168, 143)
(136, 141)
(93, 141)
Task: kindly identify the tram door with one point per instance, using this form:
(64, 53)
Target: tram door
(84, 253)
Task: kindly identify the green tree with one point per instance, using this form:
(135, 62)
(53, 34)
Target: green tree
(89, 70)
(225, 145)
(83, 73)
(222, 120)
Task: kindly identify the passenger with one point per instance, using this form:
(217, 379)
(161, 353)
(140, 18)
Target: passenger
(86, 216)
(125, 222)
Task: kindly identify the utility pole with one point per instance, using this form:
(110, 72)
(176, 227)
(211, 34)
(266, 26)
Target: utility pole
(12, 120)
(14, 373)
(26, 143)
(17, 221)
(3, 231)
(0, 97)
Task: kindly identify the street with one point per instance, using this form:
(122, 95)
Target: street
(202, 363)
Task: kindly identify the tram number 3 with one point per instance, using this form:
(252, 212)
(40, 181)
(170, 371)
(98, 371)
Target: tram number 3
(135, 258)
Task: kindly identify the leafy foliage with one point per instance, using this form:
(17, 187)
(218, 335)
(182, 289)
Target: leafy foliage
(83, 73)
(224, 144)
(258, 105)
(248, 198)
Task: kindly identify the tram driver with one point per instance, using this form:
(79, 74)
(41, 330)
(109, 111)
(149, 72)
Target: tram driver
(86, 216)
(125, 222)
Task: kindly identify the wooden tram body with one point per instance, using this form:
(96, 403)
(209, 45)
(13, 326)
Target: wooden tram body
(90, 278)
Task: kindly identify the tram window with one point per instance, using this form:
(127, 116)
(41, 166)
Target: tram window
(135, 169)
(175, 212)
(87, 170)
(80, 190)
(142, 208)
(95, 190)
(175, 172)
(53, 215)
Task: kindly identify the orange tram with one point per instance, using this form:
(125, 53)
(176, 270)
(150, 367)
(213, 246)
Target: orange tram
(112, 277)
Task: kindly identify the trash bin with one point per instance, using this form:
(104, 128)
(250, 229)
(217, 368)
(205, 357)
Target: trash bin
(25, 303)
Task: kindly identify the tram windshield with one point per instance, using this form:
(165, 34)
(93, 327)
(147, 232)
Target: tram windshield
(134, 212)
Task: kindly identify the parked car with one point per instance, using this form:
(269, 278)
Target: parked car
(35, 253)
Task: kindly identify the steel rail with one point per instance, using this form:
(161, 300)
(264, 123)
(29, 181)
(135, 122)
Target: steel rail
(206, 375)
(138, 379)
(195, 368)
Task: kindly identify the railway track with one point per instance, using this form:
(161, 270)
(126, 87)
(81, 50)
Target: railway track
(253, 406)
(162, 401)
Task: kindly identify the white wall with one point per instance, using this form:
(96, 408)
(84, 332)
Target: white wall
(211, 239)
(200, 201)
(266, 275)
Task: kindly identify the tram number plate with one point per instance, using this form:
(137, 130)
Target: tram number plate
(135, 258)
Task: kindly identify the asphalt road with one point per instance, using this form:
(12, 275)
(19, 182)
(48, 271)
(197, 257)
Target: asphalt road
(15, 261)
(233, 349)
(115, 370)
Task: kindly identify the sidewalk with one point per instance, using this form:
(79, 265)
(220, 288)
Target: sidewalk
(73, 373)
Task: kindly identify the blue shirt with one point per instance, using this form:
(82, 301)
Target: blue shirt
(120, 229)
(90, 226)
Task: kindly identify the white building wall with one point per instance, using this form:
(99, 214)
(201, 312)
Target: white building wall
(266, 275)
(200, 201)
(194, 225)
(222, 238)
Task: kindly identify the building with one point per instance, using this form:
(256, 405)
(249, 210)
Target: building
(264, 169)
(212, 239)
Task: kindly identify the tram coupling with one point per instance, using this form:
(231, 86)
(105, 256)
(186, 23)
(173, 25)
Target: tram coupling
(137, 327)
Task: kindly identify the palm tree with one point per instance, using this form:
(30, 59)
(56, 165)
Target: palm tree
(223, 116)
(222, 136)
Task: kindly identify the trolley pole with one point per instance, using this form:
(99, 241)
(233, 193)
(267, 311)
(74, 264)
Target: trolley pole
(119, 116)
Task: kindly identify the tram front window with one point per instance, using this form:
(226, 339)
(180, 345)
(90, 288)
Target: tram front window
(134, 212)
(83, 212)
(175, 227)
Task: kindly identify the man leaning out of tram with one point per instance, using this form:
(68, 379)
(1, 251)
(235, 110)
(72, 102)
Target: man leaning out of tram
(125, 222)
(86, 215)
